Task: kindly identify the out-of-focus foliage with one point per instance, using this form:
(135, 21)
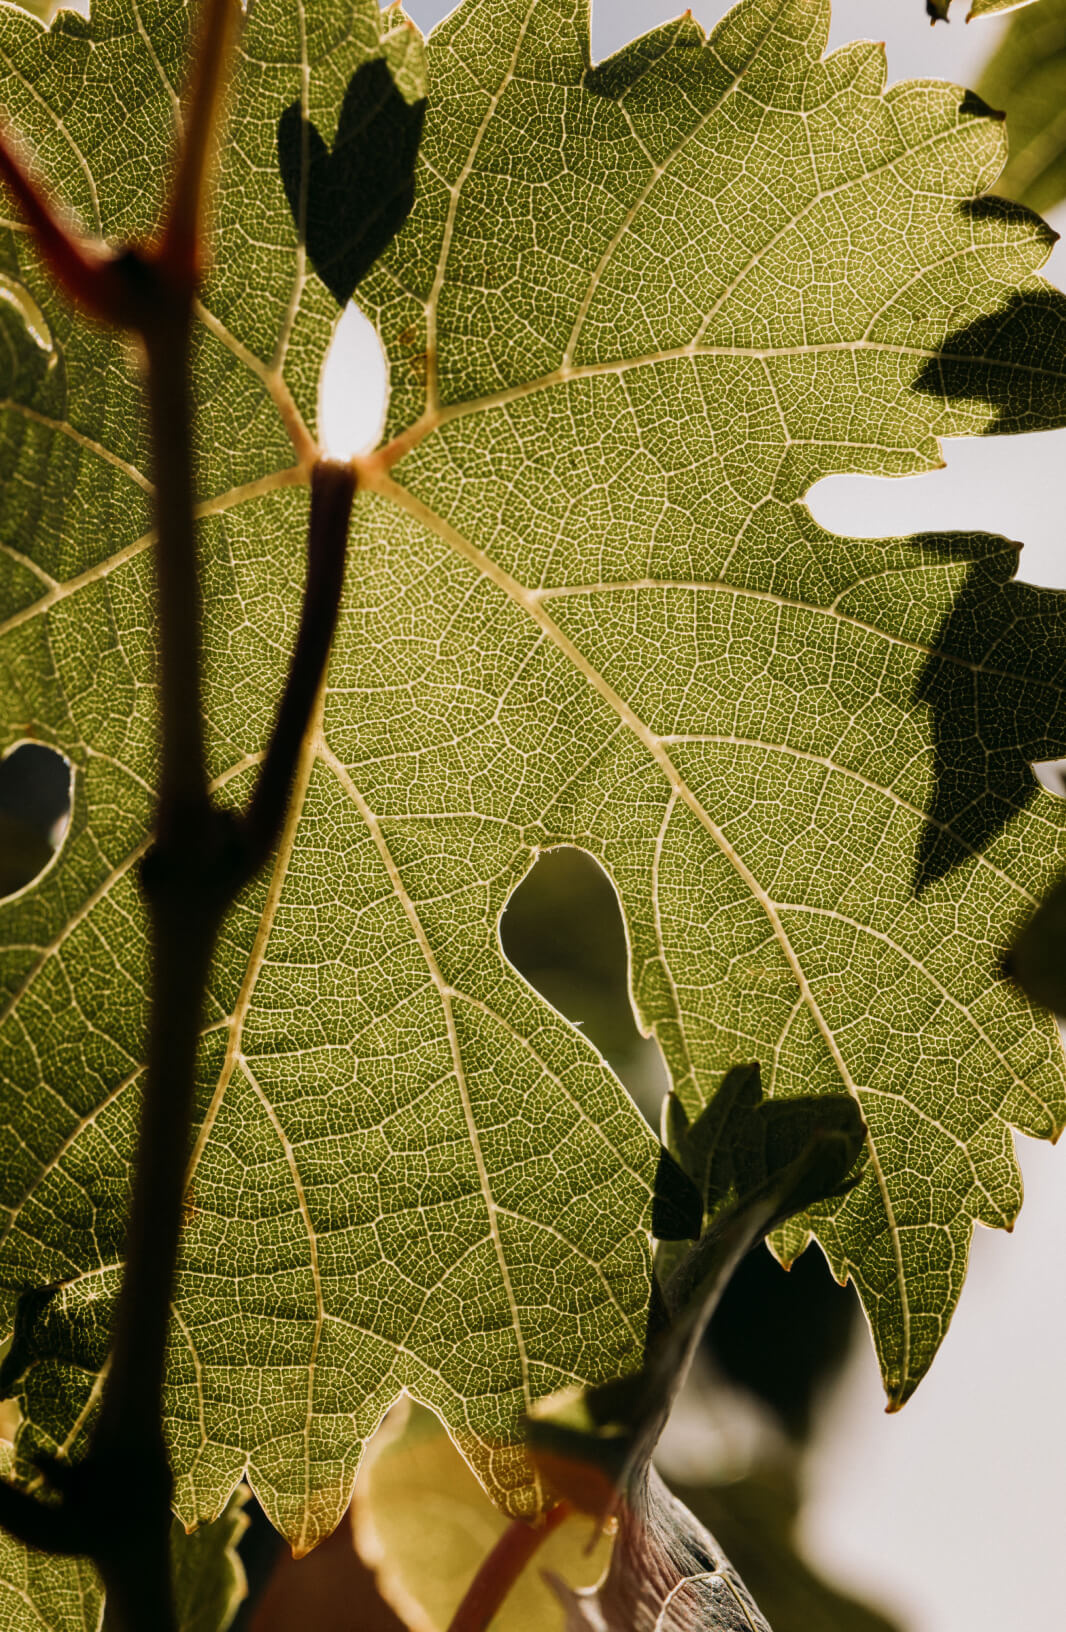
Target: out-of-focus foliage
(755, 1520)
(425, 1525)
(34, 805)
(1026, 78)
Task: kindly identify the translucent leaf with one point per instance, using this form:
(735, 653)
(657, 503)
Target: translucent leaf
(40, 1593)
(638, 309)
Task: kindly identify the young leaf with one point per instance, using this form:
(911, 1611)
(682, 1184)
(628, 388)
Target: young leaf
(938, 9)
(636, 312)
(1026, 77)
(986, 8)
(667, 1574)
(758, 1162)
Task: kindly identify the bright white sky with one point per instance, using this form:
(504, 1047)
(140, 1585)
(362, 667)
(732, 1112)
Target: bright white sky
(954, 1511)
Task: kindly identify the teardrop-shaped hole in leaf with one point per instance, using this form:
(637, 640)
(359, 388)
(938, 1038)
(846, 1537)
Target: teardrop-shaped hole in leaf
(353, 387)
(562, 929)
(35, 793)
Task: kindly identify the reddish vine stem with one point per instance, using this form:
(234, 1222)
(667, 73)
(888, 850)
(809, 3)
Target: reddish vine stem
(501, 1569)
(115, 1504)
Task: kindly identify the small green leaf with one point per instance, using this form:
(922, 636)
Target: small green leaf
(938, 9)
(763, 1162)
(208, 1576)
(987, 8)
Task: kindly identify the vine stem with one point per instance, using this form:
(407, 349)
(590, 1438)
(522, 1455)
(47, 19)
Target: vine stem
(115, 1504)
(501, 1569)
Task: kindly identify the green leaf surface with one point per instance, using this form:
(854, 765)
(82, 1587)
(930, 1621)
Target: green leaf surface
(42, 1593)
(39, 1593)
(987, 8)
(1026, 77)
(206, 1570)
(636, 312)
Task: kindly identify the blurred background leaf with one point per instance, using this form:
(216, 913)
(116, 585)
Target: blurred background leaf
(1026, 78)
(424, 1525)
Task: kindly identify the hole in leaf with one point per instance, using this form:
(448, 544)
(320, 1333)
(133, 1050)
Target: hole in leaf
(35, 790)
(353, 388)
(1051, 773)
(562, 929)
(988, 485)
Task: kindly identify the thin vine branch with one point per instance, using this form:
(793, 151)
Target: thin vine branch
(114, 1506)
(502, 1567)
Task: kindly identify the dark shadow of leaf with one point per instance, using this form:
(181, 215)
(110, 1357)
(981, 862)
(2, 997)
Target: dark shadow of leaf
(677, 1207)
(1014, 359)
(1037, 960)
(349, 203)
(994, 685)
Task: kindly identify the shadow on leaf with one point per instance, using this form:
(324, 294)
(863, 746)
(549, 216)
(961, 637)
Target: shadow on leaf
(995, 683)
(350, 202)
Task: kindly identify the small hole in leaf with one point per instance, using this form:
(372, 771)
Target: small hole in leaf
(353, 388)
(35, 789)
(562, 929)
(1051, 773)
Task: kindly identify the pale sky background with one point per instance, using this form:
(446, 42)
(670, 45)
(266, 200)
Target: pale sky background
(953, 1512)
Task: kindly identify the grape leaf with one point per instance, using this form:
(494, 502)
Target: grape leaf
(637, 311)
(39, 1593)
(986, 8)
(1026, 77)
(42, 1593)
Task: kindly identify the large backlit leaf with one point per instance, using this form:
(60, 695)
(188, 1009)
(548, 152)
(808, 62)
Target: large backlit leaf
(636, 313)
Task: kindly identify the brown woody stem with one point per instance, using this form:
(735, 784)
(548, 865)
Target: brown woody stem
(115, 1504)
(332, 492)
